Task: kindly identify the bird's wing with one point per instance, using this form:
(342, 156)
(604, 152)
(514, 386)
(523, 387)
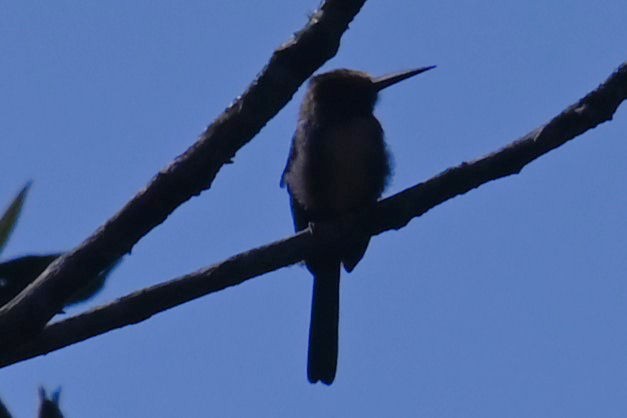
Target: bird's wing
(290, 159)
(299, 215)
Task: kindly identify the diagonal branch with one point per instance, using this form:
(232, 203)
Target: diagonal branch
(391, 213)
(595, 108)
(190, 174)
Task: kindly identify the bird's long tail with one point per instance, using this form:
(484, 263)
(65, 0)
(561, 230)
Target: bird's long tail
(323, 330)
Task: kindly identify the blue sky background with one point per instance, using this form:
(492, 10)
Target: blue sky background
(510, 301)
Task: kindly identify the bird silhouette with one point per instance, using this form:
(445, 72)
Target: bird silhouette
(338, 164)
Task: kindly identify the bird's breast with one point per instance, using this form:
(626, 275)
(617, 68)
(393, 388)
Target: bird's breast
(346, 169)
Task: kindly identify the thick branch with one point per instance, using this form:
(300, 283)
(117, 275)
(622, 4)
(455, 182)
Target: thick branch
(187, 176)
(391, 213)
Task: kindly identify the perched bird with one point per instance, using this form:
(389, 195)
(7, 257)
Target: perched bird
(17, 273)
(338, 164)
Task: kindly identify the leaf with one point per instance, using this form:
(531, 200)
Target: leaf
(11, 215)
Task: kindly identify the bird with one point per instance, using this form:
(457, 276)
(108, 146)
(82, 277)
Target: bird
(17, 273)
(338, 164)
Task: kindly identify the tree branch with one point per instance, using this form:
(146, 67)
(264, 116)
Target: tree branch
(187, 176)
(595, 108)
(391, 213)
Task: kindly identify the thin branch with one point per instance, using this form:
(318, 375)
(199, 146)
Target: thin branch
(595, 108)
(141, 305)
(392, 213)
(187, 176)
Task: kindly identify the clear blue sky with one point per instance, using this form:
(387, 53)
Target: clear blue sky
(510, 301)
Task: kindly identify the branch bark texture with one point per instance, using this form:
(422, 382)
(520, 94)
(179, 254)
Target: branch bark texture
(190, 174)
(391, 213)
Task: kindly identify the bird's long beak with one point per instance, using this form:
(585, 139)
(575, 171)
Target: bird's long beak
(387, 80)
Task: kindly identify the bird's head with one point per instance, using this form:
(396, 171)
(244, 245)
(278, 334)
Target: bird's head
(342, 93)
